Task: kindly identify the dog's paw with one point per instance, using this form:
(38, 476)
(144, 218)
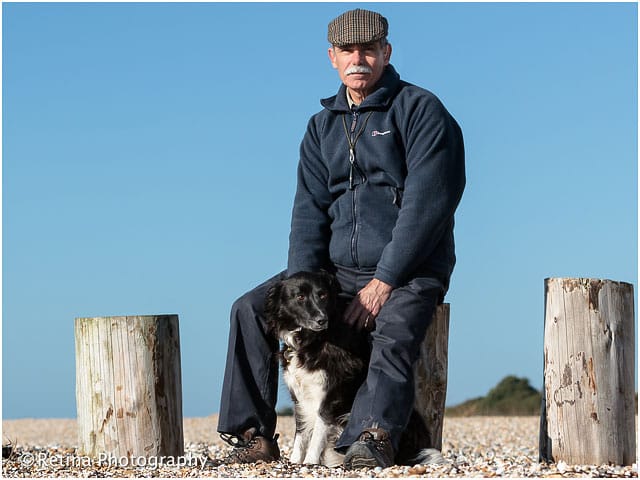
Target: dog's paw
(296, 456)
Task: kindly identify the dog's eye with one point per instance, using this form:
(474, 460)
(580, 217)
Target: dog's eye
(300, 298)
(323, 295)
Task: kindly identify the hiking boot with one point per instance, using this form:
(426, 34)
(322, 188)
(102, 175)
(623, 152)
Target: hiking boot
(372, 449)
(251, 448)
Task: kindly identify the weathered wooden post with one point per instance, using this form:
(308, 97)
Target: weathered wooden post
(588, 411)
(430, 373)
(129, 386)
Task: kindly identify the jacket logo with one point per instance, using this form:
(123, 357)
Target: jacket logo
(375, 133)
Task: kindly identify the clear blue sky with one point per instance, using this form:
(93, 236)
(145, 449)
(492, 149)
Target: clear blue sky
(149, 156)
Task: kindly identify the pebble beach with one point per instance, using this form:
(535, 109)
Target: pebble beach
(472, 447)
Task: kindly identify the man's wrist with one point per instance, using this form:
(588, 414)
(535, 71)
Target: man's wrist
(385, 277)
(381, 286)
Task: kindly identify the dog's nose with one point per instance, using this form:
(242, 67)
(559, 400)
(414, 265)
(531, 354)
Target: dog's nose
(320, 323)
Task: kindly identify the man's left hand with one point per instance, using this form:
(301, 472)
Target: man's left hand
(365, 307)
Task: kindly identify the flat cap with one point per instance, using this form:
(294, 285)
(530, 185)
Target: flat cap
(357, 27)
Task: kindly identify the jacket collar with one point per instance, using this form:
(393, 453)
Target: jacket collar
(386, 89)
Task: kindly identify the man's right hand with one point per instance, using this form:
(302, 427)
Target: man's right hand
(364, 308)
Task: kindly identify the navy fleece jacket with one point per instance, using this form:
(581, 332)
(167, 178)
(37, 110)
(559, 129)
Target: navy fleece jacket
(392, 212)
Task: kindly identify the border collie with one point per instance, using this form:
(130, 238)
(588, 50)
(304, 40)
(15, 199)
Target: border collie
(324, 362)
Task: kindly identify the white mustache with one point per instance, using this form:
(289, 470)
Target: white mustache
(357, 69)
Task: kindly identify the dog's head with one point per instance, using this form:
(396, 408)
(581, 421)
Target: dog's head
(304, 301)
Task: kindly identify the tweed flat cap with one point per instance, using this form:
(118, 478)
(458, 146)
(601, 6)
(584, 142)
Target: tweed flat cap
(357, 27)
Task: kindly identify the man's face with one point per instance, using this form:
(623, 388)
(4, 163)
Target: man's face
(360, 66)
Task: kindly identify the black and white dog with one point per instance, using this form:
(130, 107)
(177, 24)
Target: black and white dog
(324, 362)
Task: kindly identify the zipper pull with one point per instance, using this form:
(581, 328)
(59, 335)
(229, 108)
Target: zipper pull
(352, 161)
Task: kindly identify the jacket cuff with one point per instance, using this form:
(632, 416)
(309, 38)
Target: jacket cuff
(387, 277)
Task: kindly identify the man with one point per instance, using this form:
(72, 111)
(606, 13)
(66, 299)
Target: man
(381, 173)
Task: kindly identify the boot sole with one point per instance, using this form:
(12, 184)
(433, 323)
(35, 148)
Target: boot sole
(359, 456)
(361, 462)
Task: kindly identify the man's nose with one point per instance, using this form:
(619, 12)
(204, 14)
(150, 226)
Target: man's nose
(357, 56)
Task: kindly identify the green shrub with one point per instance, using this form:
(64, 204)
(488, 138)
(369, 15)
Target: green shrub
(512, 396)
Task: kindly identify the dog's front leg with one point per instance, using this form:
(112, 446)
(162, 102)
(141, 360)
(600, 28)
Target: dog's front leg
(317, 443)
(301, 438)
(298, 448)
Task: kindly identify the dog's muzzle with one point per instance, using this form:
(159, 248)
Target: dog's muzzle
(319, 323)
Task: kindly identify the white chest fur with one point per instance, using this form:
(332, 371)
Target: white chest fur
(308, 388)
(314, 440)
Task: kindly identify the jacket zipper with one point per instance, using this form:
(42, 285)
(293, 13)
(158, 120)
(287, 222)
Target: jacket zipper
(354, 232)
(352, 139)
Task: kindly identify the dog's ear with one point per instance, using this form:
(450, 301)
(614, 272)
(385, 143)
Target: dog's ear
(334, 290)
(331, 281)
(271, 307)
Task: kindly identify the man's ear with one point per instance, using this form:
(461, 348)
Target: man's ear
(332, 57)
(387, 54)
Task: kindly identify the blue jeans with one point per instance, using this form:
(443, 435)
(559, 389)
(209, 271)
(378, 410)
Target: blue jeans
(384, 400)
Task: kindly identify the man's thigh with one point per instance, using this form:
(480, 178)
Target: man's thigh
(404, 318)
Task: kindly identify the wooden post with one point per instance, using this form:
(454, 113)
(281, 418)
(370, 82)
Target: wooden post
(430, 374)
(588, 414)
(129, 386)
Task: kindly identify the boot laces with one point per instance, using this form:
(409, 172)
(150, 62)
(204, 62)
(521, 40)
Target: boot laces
(370, 437)
(241, 447)
(236, 441)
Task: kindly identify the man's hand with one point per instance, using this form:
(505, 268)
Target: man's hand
(365, 307)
